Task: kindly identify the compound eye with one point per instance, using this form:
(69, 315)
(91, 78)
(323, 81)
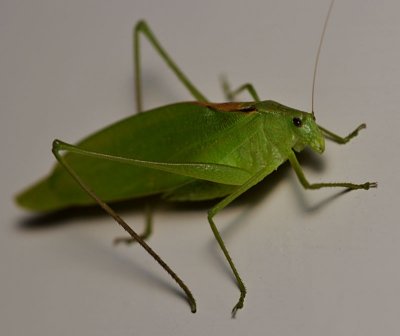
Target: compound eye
(297, 122)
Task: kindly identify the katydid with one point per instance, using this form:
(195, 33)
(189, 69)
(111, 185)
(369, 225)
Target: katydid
(187, 151)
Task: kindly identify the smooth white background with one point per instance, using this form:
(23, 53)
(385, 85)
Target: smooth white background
(314, 263)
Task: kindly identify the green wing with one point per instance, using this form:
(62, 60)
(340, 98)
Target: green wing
(178, 133)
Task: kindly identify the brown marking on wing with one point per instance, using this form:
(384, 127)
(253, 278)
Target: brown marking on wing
(229, 107)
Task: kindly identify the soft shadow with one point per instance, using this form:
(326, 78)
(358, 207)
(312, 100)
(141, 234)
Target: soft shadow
(309, 159)
(321, 204)
(67, 216)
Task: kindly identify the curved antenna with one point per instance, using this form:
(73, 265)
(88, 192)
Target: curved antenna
(318, 52)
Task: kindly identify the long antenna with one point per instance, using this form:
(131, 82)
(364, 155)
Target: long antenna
(318, 52)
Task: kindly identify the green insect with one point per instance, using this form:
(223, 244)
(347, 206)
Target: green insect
(187, 151)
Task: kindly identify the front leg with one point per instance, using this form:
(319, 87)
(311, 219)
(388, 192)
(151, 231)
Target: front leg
(339, 139)
(307, 185)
